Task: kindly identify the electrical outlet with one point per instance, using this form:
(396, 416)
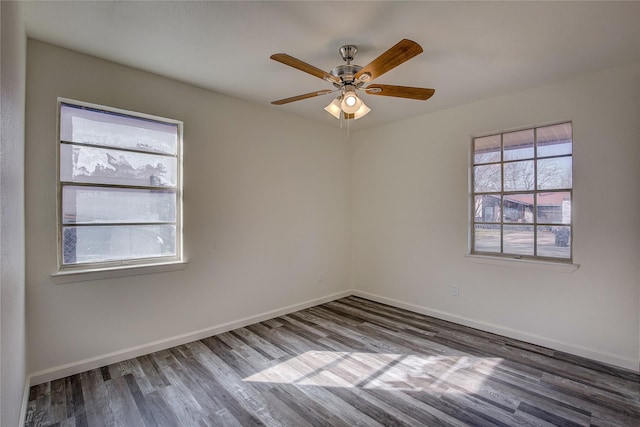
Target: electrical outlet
(455, 290)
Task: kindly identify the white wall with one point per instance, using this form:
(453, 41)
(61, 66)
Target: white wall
(271, 199)
(410, 227)
(12, 257)
(266, 207)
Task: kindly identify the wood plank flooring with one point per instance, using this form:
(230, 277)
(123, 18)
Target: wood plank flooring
(350, 362)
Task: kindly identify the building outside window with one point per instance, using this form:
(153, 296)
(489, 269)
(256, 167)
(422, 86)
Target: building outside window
(522, 191)
(119, 188)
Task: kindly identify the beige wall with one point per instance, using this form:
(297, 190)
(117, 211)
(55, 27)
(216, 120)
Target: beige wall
(266, 207)
(13, 370)
(411, 215)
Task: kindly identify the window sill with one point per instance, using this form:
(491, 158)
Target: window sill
(524, 263)
(71, 276)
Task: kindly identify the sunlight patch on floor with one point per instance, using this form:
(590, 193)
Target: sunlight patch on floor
(387, 371)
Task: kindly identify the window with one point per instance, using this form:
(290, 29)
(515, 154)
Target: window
(522, 191)
(119, 188)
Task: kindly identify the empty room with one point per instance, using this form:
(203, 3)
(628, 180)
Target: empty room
(320, 213)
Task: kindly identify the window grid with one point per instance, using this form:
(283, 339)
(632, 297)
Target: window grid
(154, 187)
(536, 223)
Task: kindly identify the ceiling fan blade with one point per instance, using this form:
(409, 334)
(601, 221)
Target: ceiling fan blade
(419, 93)
(303, 66)
(401, 52)
(301, 97)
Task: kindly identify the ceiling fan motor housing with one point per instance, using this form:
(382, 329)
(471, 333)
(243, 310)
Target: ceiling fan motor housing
(346, 73)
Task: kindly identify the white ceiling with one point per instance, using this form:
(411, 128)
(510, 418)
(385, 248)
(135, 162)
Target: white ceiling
(472, 50)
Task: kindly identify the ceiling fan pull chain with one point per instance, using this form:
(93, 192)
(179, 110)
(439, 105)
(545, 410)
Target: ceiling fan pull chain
(348, 128)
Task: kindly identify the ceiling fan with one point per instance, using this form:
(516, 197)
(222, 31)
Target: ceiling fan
(350, 78)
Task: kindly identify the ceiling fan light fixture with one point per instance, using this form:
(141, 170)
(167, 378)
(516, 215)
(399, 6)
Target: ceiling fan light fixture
(334, 108)
(362, 111)
(350, 101)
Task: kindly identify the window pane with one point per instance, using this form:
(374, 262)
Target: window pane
(519, 176)
(525, 192)
(486, 149)
(97, 165)
(89, 126)
(518, 145)
(554, 241)
(518, 239)
(487, 178)
(554, 207)
(487, 208)
(487, 238)
(518, 208)
(114, 243)
(86, 205)
(554, 173)
(554, 140)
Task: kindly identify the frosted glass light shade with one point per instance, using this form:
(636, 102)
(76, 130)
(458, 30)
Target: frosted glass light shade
(334, 108)
(351, 100)
(350, 103)
(362, 111)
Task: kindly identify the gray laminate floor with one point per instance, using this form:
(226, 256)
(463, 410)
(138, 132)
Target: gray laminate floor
(345, 363)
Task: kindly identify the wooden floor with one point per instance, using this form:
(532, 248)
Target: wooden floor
(345, 363)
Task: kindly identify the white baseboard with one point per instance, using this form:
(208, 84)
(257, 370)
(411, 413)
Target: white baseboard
(73, 368)
(600, 356)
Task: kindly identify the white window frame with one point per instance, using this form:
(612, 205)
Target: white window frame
(88, 270)
(535, 191)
